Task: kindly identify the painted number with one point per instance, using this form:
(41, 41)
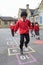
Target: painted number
(24, 57)
(14, 51)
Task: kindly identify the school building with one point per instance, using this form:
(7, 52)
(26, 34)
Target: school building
(6, 21)
(35, 15)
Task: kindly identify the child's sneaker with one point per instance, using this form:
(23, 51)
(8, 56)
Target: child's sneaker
(34, 35)
(39, 38)
(31, 35)
(21, 51)
(26, 49)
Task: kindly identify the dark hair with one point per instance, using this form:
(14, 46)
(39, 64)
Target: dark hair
(23, 13)
(36, 22)
(33, 24)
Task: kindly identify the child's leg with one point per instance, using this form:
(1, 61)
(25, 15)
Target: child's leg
(38, 34)
(31, 33)
(27, 39)
(21, 43)
(12, 32)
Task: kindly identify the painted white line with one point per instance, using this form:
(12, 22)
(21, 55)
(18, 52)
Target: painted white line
(7, 43)
(16, 42)
(32, 49)
(8, 52)
(10, 43)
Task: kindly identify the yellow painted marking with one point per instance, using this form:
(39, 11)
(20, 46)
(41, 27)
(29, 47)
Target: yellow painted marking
(8, 52)
(32, 50)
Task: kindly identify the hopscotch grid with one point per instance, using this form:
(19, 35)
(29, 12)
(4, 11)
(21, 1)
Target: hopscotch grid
(32, 50)
(20, 63)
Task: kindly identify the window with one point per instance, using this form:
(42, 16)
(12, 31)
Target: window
(37, 19)
(40, 19)
(5, 22)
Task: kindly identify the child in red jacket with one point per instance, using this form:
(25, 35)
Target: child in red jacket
(23, 24)
(12, 29)
(36, 29)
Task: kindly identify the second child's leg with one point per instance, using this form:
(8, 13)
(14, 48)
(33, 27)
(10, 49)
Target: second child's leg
(38, 35)
(12, 32)
(31, 33)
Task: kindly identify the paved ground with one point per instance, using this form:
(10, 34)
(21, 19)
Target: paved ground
(9, 50)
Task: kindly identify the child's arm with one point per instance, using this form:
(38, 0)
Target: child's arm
(16, 26)
(29, 24)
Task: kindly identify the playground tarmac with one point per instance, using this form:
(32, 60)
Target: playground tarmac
(10, 52)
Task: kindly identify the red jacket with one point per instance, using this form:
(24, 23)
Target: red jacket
(23, 26)
(36, 27)
(31, 27)
(12, 26)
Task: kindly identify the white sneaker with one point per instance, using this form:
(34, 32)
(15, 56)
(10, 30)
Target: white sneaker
(26, 49)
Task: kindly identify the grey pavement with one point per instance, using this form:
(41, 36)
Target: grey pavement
(10, 52)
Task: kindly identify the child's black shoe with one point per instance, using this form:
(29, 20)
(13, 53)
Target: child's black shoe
(21, 51)
(39, 38)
